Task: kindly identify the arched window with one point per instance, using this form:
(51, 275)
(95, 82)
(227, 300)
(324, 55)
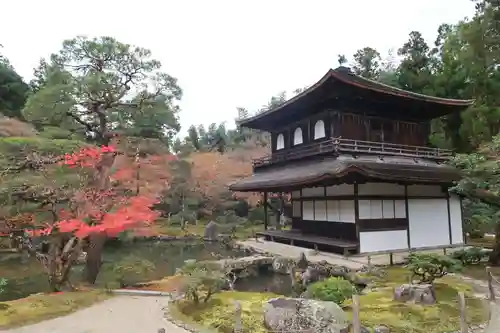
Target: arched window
(319, 129)
(280, 142)
(297, 136)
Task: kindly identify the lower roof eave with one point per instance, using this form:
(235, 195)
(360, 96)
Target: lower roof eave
(343, 171)
(293, 185)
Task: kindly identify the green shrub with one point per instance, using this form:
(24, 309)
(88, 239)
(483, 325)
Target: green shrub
(52, 132)
(256, 214)
(132, 269)
(202, 281)
(3, 285)
(470, 256)
(428, 267)
(333, 289)
(241, 208)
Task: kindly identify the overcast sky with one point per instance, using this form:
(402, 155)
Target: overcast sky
(226, 53)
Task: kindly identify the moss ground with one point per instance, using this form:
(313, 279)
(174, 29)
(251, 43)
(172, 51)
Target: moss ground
(219, 312)
(377, 308)
(40, 307)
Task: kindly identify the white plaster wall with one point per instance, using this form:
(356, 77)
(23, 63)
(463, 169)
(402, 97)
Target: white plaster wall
(342, 189)
(457, 236)
(313, 192)
(373, 241)
(296, 194)
(425, 190)
(381, 189)
(428, 221)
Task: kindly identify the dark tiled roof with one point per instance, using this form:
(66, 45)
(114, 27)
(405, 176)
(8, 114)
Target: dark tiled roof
(389, 169)
(346, 76)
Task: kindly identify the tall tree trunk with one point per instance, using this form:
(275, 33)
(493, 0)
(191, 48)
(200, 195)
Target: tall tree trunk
(96, 242)
(94, 257)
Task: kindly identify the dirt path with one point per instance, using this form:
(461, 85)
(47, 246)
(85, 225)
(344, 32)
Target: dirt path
(121, 314)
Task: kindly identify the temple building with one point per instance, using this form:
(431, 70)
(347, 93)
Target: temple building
(354, 155)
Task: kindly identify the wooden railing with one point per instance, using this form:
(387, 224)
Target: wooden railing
(340, 145)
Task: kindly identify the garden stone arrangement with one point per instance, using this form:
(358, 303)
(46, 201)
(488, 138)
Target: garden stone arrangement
(296, 314)
(321, 295)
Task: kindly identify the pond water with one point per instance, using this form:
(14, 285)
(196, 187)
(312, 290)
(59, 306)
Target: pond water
(266, 281)
(25, 275)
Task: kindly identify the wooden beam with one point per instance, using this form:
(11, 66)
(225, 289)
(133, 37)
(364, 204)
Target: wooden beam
(407, 217)
(449, 215)
(265, 211)
(356, 215)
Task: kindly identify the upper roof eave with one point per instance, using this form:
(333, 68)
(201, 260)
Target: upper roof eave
(345, 75)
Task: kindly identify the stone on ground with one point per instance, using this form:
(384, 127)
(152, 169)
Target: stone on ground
(416, 293)
(295, 314)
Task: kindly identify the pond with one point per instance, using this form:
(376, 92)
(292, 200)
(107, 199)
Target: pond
(25, 275)
(266, 281)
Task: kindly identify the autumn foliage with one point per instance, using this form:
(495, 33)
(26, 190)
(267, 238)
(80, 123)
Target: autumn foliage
(104, 211)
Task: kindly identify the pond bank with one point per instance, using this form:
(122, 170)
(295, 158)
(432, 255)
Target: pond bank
(355, 262)
(121, 262)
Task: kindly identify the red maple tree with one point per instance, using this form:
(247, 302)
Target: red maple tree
(93, 210)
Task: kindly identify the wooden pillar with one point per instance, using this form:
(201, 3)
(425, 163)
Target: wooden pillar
(449, 215)
(407, 212)
(265, 211)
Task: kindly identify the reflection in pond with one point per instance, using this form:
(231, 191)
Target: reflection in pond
(266, 281)
(25, 275)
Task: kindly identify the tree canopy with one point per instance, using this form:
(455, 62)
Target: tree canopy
(98, 86)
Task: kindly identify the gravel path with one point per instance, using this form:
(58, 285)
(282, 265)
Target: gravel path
(121, 314)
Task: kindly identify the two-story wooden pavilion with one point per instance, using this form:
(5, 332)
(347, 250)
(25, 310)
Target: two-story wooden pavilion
(354, 155)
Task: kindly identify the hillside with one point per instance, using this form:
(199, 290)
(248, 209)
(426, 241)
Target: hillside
(210, 173)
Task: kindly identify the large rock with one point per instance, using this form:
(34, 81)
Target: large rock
(296, 314)
(237, 264)
(381, 329)
(416, 293)
(282, 265)
(211, 231)
(302, 262)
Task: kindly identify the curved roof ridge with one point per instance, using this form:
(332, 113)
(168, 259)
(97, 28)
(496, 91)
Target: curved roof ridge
(345, 75)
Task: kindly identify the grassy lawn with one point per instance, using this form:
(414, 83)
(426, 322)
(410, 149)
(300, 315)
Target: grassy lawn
(377, 308)
(40, 307)
(479, 271)
(219, 312)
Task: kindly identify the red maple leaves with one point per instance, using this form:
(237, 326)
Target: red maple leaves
(87, 157)
(100, 211)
